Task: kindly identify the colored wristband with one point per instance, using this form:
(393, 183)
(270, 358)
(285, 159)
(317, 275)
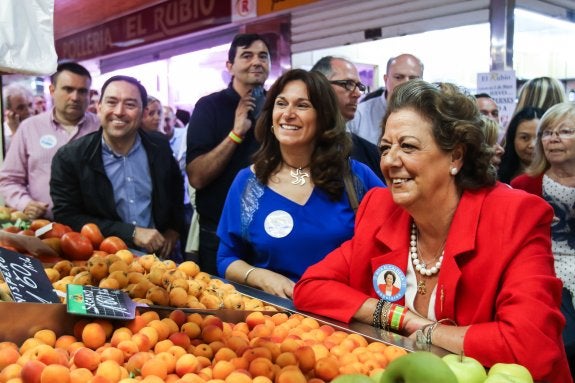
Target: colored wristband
(396, 316)
(235, 138)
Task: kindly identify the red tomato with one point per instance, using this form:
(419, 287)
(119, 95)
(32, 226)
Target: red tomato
(58, 230)
(76, 247)
(112, 245)
(29, 233)
(93, 233)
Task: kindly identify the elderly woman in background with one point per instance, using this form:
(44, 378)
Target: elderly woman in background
(551, 175)
(153, 118)
(295, 204)
(519, 143)
(477, 271)
(540, 92)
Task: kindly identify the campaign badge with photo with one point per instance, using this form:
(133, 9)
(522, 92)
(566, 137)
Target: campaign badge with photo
(389, 282)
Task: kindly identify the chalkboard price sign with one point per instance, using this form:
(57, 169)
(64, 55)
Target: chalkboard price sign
(99, 302)
(26, 278)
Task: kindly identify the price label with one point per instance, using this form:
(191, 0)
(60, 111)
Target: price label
(98, 302)
(26, 278)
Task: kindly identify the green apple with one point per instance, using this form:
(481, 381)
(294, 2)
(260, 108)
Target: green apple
(513, 369)
(418, 367)
(465, 368)
(501, 377)
(352, 378)
(376, 376)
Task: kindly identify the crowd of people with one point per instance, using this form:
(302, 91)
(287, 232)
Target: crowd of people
(400, 208)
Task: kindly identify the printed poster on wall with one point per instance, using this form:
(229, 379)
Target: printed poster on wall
(502, 87)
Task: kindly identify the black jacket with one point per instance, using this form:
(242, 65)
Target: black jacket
(82, 192)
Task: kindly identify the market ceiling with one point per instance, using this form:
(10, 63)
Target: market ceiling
(72, 16)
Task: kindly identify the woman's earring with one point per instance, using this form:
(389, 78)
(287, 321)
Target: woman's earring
(453, 171)
(272, 128)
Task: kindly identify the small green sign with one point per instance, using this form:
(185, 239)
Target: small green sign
(98, 302)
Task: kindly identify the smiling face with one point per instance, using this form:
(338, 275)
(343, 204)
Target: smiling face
(294, 117)
(415, 168)
(524, 141)
(389, 279)
(251, 65)
(120, 111)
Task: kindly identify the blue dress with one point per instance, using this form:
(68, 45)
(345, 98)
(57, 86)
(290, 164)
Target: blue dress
(269, 231)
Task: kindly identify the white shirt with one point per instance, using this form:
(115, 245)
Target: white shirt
(368, 118)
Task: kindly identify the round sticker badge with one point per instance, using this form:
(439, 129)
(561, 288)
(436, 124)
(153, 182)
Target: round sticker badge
(48, 141)
(389, 282)
(278, 224)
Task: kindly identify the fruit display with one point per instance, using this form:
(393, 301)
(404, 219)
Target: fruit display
(51, 241)
(12, 217)
(194, 348)
(152, 281)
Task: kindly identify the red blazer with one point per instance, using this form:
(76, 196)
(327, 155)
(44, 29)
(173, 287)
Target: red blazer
(533, 185)
(497, 275)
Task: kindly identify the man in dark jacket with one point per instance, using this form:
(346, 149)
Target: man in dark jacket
(122, 179)
(344, 79)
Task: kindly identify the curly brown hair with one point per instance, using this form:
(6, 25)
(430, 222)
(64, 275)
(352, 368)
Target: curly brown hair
(332, 145)
(455, 121)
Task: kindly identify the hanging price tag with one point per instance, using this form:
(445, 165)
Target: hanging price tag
(26, 278)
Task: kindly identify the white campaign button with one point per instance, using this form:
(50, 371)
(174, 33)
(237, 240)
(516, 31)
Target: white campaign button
(48, 141)
(278, 224)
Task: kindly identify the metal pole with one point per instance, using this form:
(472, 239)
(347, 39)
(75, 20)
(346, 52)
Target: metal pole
(501, 21)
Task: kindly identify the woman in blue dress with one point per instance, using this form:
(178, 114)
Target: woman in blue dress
(297, 202)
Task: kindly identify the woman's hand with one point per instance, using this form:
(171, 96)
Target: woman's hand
(272, 283)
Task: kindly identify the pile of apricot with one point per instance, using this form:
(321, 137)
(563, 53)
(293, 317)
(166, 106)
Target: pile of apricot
(192, 348)
(147, 279)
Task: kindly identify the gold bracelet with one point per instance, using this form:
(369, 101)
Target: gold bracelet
(235, 138)
(248, 274)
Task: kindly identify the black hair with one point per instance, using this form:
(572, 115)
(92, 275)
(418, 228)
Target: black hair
(510, 162)
(389, 272)
(483, 95)
(70, 67)
(244, 40)
(131, 80)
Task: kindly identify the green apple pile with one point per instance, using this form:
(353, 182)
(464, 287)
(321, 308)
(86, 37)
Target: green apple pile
(426, 367)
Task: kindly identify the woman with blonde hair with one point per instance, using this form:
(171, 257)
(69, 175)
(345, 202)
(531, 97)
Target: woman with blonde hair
(491, 131)
(540, 92)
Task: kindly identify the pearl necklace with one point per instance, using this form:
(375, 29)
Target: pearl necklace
(420, 264)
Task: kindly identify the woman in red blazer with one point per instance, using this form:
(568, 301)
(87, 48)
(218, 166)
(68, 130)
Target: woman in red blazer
(477, 271)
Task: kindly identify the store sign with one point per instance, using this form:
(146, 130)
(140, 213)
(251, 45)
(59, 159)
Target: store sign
(270, 6)
(26, 278)
(502, 87)
(243, 10)
(167, 20)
